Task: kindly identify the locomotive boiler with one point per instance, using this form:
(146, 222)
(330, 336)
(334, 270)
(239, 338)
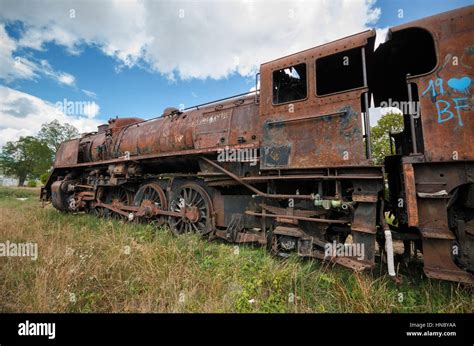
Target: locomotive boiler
(290, 166)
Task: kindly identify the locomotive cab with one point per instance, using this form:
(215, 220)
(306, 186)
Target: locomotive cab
(313, 106)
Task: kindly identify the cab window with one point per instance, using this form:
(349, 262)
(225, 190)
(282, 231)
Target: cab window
(289, 84)
(339, 72)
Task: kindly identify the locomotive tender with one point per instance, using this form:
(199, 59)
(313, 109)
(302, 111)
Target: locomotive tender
(305, 177)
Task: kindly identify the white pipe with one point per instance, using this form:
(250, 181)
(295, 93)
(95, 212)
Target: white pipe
(389, 251)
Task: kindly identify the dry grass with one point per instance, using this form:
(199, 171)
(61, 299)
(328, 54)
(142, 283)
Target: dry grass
(95, 265)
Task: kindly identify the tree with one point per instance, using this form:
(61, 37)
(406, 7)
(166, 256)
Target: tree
(44, 177)
(26, 158)
(390, 122)
(54, 133)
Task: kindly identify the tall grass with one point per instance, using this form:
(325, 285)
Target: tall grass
(86, 264)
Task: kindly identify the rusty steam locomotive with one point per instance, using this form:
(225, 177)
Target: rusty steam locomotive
(290, 165)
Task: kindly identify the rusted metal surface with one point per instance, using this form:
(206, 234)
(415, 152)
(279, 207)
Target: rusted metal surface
(410, 191)
(437, 189)
(446, 100)
(149, 157)
(117, 123)
(229, 123)
(438, 263)
(58, 198)
(332, 123)
(291, 217)
(67, 153)
(312, 181)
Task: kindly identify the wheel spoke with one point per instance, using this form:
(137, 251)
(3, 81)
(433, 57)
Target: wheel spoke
(194, 196)
(200, 202)
(184, 195)
(190, 196)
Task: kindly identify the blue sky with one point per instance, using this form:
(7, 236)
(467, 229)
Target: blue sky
(132, 91)
(414, 9)
(135, 73)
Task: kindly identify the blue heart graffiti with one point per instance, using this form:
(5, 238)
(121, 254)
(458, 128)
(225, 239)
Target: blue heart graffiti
(460, 85)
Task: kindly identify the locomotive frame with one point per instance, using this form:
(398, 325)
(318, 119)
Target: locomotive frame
(315, 182)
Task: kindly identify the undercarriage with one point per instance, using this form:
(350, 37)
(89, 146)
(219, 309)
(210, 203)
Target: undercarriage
(337, 214)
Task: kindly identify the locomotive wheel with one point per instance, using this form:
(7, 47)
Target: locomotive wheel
(116, 197)
(97, 211)
(149, 196)
(196, 203)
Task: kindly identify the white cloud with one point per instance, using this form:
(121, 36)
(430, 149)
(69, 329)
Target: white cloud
(89, 93)
(66, 78)
(214, 39)
(91, 109)
(13, 66)
(22, 114)
(61, 77)
(190, 39)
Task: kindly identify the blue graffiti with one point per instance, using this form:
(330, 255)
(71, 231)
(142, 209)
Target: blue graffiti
(460, 103)
(432, 85)
(460, 85)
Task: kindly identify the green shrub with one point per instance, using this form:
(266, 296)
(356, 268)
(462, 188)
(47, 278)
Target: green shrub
(44, 177)
(15, 192)
(31, 183)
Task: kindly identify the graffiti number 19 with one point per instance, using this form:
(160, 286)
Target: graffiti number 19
(432, 85)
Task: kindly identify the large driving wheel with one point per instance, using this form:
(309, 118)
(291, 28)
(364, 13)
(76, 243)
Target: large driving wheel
(195, 204)
(151, 196)
(117, 197)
